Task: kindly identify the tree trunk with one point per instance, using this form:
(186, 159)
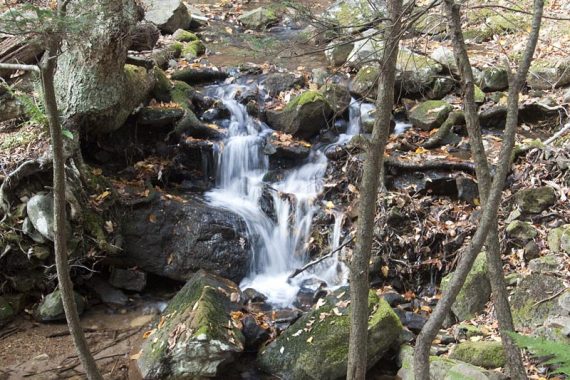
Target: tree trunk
(495, 266)
(48, 67)
(359, 285)
(488, 218)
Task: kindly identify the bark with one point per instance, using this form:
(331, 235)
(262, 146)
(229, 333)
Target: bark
(359, 284)
(48, 67)
(489, 216)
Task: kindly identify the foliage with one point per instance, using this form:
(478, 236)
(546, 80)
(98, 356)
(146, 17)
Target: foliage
(33, 108)
(558, 353)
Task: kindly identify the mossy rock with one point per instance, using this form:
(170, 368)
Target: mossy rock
(559, 239)
(415, 72)
(494, 79)
(547, 74)
(521, 231)
(475, 293)
(479, 95)
(259, 18)
(338, 97)
(442, 368)
(536, 200)
(348, 13)
(544, 264)
(193, 50)
(182, 35)
(484, 354)
(316, 346)
(162, 85)
(195, 335)
(51, 307)
(6, 311)
(430, 114)
(338, 53)
(365, 82)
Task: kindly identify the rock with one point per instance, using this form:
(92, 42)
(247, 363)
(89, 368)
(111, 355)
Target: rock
(536, 200)
(158, 117)
(303, 117)
(144, 36)
(40, 213)
(486, 354)
(493, 117)
(413, 321)
(531, 251)
(430, 24)
(531, 305)
(348, 13)
(467, 190)
(193, 50)
(51, 307)
(443, 368)
(415, 72)
(559, 239)
(441, 87)
(162, 86)
(294, 151)
(195, 335)
(337, 53)
(182, 35)
(547, 74)
(479, 95)
(338, 97)
(106, 293)
(174, 239)
(320, 76)
(548, 263)
(430, 114)
(258, 19)
(254, 334)
(446, 58)
(252, 295)
(10, 108)
(366, 48)
(6, 311)
(494, 79)
(40, 252)
(168, 15)
(128, 279)
(198, 75)
(521, 231)
(475, 293)
(29, 229)
(365, 82)
(276, 83)
(321, 352)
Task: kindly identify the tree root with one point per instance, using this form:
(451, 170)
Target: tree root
(13, 179)
(437, 140)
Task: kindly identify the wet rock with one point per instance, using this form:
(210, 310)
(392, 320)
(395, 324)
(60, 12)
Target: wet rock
(413, 321)
(493, 79)
(548, 263)
(292, 150)
(429, 115)
(303, 117)
(536, 200)
(168, 15)
(6, 311)
(157, 117)
(521, 231)
(144, 36)
(559, 239)
(321, 352)
(337, 53)
(252, 295)
(197, 76)
(128, 279)
(218, 112)
(338, 97)
(475, 293)
(278, 82)
(255, 335)
(106, 293)
(174, 239)
(196, 336)
(486, 354)
(443, 368)
(51, 307)
(258, 19)
(393, 298)
(547, 74)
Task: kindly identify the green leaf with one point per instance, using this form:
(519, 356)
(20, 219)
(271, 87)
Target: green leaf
(558, 353)
(67, 133)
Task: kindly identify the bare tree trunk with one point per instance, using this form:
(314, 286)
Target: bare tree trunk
(48, 66)
(488, 218)
(495, 266)
(359, 284)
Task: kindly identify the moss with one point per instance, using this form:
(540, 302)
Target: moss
(182, 35)
(193, 49)
(176, 48)
(6, 310)
(162, 85)
(479, 95)
(304, 98)
(93, 224)
(179, 93)
(410, 61)
(482, 354)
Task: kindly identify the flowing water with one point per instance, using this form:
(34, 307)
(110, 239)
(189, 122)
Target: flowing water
(279, 244)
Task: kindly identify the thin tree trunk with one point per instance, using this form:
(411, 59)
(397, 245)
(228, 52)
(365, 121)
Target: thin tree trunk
(48, 67)
(495, 266)
(359, 285)
(488, 218)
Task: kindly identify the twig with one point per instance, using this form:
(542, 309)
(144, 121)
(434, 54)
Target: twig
(557, 134)
(550, 298)
(315, 262)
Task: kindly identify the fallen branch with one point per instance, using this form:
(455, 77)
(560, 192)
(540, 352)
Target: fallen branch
(464, 166)
(557, 135)
(322, 258)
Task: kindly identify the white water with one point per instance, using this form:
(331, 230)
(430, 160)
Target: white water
(279, 246)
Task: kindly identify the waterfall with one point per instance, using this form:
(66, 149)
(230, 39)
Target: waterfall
(279, 244)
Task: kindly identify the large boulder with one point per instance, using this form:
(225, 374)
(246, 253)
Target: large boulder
(475, 293)
(338, 97)
(175, 238)
(536, 200)
(338, 52)
(365, 82)
(486, 354)
(547, 74)
(350, 13)
(51, 307)
(195, 335)
(430, 114)
(304, 116)
(259, 18)
(168, 15)
(415, 72)
(275, 83)
(443, 368)
(316, 346)
(494, 79)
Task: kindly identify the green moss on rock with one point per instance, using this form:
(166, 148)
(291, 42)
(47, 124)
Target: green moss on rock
(305, 98)
(182, 35)
(482, 354)
(192, 50)
(536, 200)
(430, 114)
